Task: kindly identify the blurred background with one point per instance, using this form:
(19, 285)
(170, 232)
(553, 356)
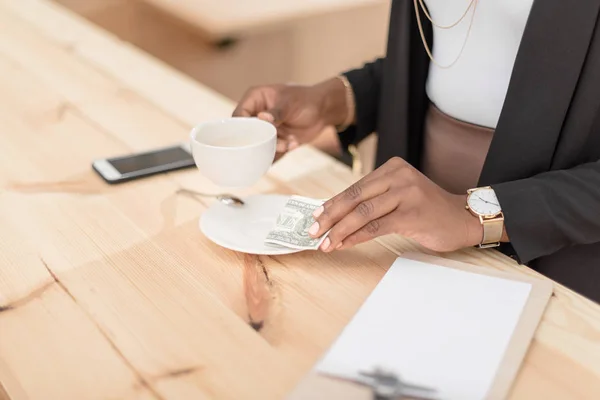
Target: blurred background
(230, 45)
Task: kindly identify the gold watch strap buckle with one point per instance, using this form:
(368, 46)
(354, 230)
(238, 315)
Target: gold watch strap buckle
(488, 245)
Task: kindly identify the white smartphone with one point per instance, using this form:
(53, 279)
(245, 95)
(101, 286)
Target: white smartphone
(134, 166)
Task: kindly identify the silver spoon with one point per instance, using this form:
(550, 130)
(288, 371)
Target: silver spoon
(227, 199)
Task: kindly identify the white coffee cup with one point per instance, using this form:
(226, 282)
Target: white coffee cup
(234, 152)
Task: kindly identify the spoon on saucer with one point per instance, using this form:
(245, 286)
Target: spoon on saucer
(227, 199)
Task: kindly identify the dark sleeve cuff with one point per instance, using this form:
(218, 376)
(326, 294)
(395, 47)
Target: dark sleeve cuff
(526, 211)
(366, 86)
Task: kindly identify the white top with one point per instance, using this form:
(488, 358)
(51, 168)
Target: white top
(474, 88)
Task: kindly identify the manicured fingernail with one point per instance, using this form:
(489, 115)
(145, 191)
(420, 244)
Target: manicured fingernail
(314, 228)
(266, 116)
(317, 213)
(282, 146)
(339, 246)
(325, 244)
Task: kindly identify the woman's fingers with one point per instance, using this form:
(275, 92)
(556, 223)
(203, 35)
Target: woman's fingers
(341, 205)
(293, 142)
(253, 102)
(363, 214)
(377, 227)
(282, 145)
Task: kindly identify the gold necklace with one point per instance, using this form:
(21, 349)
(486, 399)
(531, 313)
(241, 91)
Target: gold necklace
(473, 4)
(447, 26)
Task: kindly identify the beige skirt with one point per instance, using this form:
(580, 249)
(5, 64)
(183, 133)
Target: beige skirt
(453, 151)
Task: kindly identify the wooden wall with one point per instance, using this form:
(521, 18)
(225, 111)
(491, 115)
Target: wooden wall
(306, 51)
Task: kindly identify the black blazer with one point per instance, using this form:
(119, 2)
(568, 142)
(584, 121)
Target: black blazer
(544, 160)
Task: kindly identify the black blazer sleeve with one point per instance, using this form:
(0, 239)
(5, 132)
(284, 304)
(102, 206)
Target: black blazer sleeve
(366, 85)
(552, 210)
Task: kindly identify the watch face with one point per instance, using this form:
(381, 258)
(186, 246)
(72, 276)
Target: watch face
(484, 202)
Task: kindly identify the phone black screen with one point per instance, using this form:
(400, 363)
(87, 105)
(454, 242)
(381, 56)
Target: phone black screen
(172, 155)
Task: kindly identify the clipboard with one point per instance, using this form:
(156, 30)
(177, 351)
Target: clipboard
(317, 386)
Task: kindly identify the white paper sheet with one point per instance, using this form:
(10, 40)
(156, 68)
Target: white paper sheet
(434, 326)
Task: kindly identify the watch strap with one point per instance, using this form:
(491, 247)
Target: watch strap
(492, 230)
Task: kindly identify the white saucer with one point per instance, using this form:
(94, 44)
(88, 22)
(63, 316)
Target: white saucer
(245, 228)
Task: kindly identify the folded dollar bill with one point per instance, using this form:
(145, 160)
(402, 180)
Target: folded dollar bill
(291, 227)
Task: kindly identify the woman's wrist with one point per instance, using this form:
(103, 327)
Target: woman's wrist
(505, 238)
(473, 226)
(474, 235)
(336, 109)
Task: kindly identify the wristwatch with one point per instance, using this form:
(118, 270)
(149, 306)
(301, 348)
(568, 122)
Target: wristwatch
(483, 203)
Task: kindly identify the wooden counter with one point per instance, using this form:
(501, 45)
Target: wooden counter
(226, 18)
(112, 292)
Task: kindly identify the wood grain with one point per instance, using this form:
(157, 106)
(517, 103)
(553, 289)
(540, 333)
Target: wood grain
(113, 292)
(50, 328)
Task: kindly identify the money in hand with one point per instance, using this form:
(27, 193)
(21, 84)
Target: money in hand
(291, 227)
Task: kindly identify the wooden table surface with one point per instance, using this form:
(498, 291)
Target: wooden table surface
(111, 292)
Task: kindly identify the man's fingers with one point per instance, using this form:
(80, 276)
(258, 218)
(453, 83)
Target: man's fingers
(377, 227)
(363, 213)
(341, 205)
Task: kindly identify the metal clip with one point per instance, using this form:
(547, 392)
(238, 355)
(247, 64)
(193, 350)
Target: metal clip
(386, 385)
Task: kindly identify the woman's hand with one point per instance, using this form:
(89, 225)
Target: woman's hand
(397, 198)
(300, 113)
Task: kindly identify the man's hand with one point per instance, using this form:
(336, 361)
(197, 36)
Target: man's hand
(300, 113)
(397, 198)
